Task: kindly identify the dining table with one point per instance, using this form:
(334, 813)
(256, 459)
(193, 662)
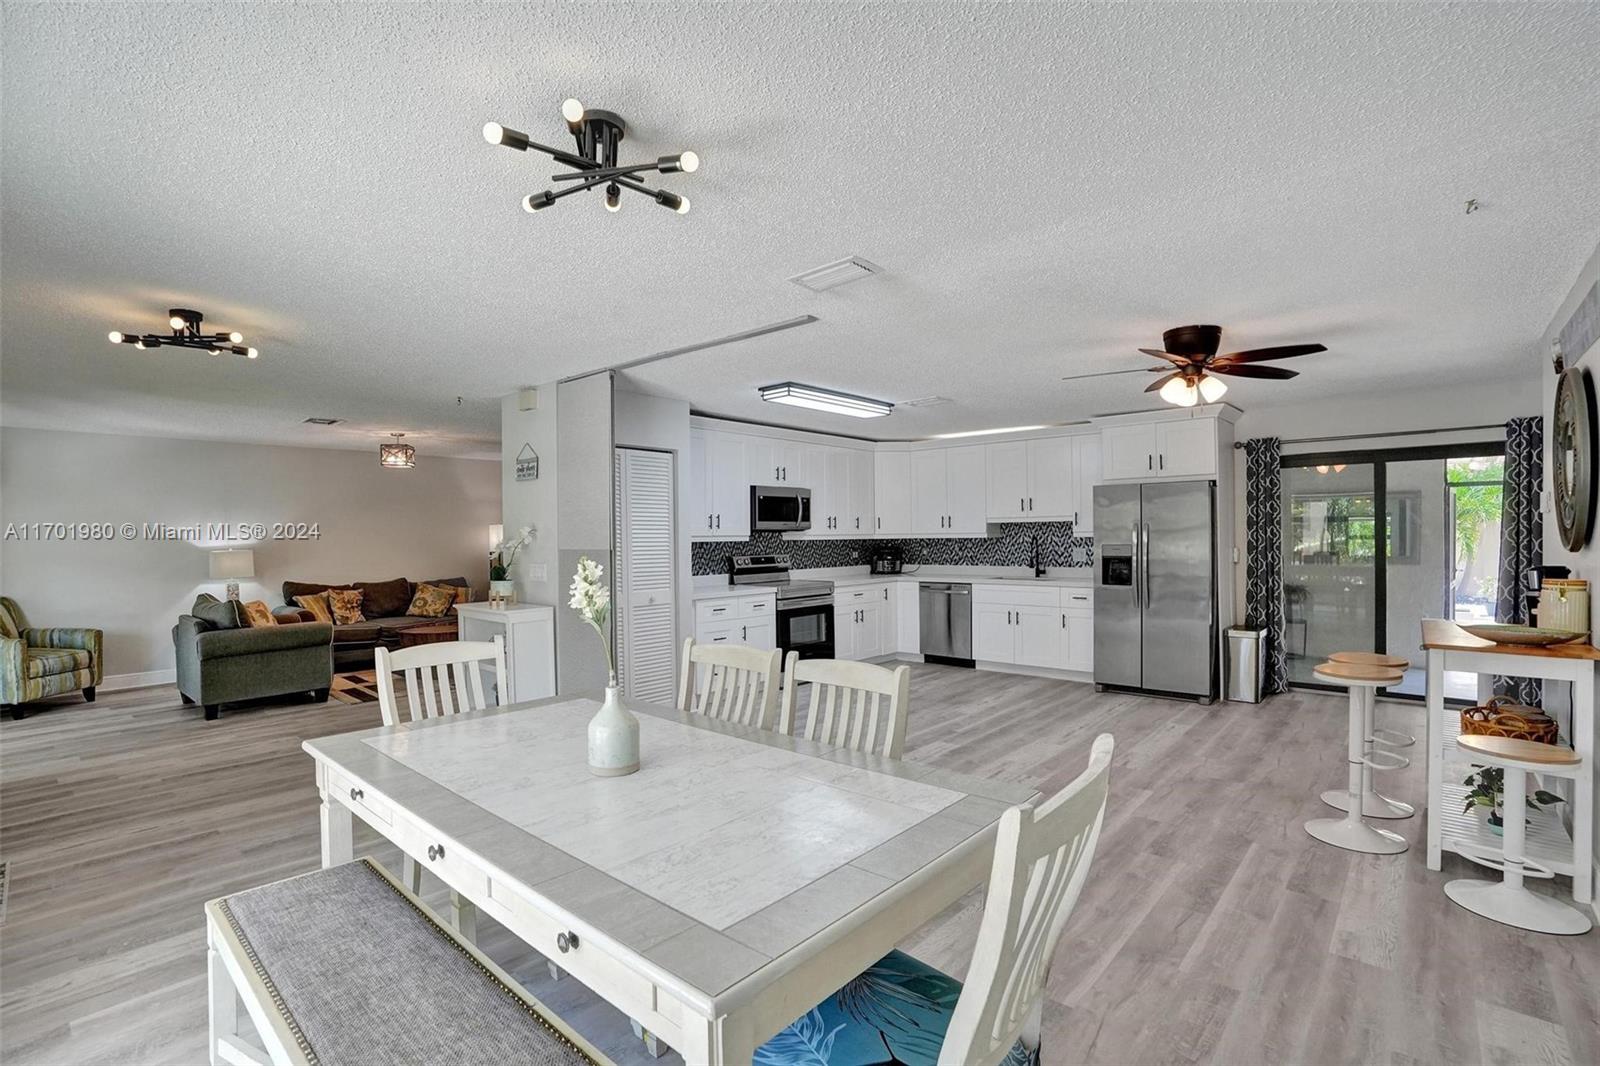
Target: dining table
(738, 879)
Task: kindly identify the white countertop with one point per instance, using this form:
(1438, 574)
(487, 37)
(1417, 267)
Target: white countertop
(708, 586)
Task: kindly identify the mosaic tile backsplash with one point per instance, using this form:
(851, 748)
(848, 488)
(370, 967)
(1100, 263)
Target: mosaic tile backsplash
(1010, 547)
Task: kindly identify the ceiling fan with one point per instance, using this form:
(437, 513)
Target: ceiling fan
(1192, 353)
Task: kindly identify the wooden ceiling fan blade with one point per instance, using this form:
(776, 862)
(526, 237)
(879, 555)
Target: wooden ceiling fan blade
(1175, 360)
(1261, 355)
(1274, 373)
(1162, 381)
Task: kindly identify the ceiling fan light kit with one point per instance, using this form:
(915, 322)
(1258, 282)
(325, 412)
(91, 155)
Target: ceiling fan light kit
(186, 334)
(1191, 377)
(597, 135)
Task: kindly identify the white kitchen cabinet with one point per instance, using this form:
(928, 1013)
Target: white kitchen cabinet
(1178, 448)
(1032, 479)
(907, 617)
(1077, 619)
(1040, 636)
(966, 495)
(1086, 475)
(891, 493)
(1187, 448)
(1047, 627)
(771, 461)
(863, 491)
(863, 622)
(719, 485)
(1007, 466)
(929, 516)
(994, 638)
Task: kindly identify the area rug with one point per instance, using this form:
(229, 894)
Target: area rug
(360, 686)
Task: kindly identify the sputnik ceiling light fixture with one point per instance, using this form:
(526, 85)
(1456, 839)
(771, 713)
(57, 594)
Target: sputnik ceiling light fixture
(186, 334)
(597, 133)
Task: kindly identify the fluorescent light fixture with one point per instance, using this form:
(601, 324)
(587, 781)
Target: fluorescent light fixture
(985, 432)
(839, 403)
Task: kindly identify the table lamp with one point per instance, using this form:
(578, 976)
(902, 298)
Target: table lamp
(231, 564)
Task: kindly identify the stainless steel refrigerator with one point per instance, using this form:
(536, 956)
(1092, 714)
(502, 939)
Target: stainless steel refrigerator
(1155, 601)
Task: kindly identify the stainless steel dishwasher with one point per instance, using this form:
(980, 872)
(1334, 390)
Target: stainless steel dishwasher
(945, 613)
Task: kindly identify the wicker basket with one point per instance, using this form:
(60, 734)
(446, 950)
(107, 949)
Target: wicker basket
(1503, 717)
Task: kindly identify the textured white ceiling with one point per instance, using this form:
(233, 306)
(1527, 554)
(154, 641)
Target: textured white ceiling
(1046, 187)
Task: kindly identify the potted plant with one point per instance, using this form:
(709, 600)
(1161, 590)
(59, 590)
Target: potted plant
(504, 556)
(614, 731)
(1488, 788)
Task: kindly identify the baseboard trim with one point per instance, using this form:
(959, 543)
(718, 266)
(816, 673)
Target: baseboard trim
(148, 679)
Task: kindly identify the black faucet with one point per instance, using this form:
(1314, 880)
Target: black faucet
(1034, 560)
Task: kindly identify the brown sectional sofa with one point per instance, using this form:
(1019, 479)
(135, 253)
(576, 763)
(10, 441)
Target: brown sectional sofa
(383, 603)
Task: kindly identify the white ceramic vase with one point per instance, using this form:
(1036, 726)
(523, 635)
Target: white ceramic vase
(613, 738)
(503, 590)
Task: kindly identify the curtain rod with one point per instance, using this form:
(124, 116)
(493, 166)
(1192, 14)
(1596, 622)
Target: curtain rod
(1378, 436)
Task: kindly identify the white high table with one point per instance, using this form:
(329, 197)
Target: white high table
(1450, 647)
(734, 882)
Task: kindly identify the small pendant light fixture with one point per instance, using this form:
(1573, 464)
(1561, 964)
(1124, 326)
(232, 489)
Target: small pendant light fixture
(186, 334)
(597, 134)
(397, 456)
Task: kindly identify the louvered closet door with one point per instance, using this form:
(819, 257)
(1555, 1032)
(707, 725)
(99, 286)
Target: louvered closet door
(646, 575)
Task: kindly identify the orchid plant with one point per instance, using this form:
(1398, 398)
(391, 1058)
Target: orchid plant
(505, 553)
(592, 600)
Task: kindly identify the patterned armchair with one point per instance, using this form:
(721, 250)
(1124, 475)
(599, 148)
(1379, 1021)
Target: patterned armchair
(35, 663)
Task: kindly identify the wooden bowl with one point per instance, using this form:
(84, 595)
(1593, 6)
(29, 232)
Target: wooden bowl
(1531, 636)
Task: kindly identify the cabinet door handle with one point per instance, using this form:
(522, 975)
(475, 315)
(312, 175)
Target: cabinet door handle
(1074, 517)
(1063, 621)
(1008, 618)
(711, 521)
(435, 851)
(566, 942)
(777, 473)
(1030, 503)
(858, 521)
(744, 632)
(1150, 462)
(880, 523)
(719, 521)
(1163, 460)
(886, 592)
(786, 473)
(356, 793)
(1020, 505)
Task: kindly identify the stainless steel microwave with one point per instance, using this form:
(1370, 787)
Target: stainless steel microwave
(779, 508)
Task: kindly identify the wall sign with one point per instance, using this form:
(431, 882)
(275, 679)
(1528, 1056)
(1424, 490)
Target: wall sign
(527, 464)
(1572, 457)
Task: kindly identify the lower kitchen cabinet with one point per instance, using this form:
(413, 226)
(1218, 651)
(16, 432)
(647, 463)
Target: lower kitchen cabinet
(1047, 627)
(864, 625)
(737, 620)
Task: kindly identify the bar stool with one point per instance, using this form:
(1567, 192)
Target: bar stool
(1508, 901)
(1373, 803)
(1351, 832)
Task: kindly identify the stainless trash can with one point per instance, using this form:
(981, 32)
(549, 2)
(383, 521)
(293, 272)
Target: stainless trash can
(1247, 664)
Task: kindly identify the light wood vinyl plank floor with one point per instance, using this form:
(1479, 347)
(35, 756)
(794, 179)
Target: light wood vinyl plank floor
(1212, 928)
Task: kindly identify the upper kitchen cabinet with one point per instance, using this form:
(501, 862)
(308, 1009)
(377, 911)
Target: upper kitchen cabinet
(891, 493)
(949, 491)
(1086, 465)
(1035, 480)
(769, 461)
(861, 513)
(719, 485)
(1181, 448)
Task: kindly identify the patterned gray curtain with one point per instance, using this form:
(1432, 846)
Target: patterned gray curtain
(1263, 591)
(1521, 536)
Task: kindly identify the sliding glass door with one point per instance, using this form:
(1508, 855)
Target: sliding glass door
(1353, 583)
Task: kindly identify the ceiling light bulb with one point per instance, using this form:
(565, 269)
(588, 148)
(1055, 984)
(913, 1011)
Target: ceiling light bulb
(216, 351)
(177, 322)
(1180, 392)
(538, 201)
(236, 336)
(139, 344)
(114, 337)
(250, 353)
(571, 110)
(1322, 470)
(688, 162)
(613, 197)
(493, 132)
(1211, 389)
(683, 205)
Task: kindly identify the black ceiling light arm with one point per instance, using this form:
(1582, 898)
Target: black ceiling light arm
(597, 135)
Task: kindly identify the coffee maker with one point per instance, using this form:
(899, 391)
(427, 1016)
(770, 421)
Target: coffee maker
(886, 559)
(1532, 580)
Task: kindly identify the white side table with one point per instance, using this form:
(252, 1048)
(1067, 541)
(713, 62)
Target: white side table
(530, 635)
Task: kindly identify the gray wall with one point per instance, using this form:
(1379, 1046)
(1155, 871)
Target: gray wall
(537, 571)
(428, 522)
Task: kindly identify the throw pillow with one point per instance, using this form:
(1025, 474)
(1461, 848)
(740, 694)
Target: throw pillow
(384, 599)
(258, 614)
(464, 595)
(346, 606)
(317, 605)
(432, 601)
(218, 614)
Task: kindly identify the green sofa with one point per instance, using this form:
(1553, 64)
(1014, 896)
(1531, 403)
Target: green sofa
(221, 661)
(35, 663)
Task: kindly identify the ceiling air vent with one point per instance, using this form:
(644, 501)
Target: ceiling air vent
(835, 274)
(927, 401)
(323, 421)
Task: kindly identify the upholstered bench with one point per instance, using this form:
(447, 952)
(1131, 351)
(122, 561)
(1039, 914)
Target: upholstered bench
(344, 966)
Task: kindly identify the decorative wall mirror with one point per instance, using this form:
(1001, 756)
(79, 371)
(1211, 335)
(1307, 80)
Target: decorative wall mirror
(1572, 457)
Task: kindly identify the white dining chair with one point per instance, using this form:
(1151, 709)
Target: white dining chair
(440, 679)
(853, 705)
(742, 686)
(897, 1009)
